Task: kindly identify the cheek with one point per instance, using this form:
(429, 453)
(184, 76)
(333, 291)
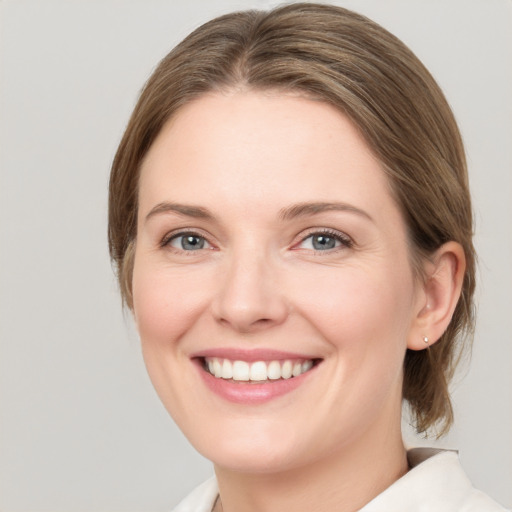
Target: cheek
(357, 307)
(166, 303)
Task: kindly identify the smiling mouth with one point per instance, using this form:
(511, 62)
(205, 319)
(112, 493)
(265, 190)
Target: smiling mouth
(257, 371)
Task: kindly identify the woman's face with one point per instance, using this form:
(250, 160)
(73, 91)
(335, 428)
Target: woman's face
(271, 253)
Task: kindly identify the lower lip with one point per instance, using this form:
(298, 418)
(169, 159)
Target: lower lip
(243, 392)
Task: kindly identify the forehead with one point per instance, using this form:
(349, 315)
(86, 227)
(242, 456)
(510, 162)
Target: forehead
(252, 149)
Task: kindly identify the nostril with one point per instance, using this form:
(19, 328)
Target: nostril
(263, 321)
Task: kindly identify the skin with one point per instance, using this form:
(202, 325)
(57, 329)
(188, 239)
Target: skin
(334, 442)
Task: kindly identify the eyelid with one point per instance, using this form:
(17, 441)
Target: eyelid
(345, 240)
(176, 233)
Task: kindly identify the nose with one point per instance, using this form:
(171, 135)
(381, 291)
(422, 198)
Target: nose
(248, 298)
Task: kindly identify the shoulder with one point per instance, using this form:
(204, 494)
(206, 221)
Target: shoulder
(201, 499)
(436, 482)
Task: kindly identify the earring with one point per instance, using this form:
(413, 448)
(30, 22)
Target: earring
(425, 340)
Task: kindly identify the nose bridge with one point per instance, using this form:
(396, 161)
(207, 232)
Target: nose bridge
(248, 297)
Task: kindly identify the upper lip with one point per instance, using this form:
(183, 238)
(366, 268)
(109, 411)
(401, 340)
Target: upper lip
(251, 355)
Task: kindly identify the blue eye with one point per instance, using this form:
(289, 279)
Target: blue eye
(324, 241)
(189, 242)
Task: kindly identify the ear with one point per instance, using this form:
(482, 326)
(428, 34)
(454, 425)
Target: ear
(444, 274)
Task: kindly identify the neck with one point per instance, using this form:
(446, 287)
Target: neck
(344, 482)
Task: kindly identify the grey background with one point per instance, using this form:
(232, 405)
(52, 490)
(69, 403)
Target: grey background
(80, 426)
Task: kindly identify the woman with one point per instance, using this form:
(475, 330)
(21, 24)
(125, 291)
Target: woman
(291, 223)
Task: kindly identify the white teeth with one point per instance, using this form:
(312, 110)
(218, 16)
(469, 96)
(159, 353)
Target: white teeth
(217, 368)
(274, 370)
(240, 370)
(227, 369)
(286, 370)
(258, 371)
(307, 365)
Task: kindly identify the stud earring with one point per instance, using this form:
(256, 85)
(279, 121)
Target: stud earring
(425, 340)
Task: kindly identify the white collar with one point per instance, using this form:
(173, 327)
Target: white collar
(436, 482)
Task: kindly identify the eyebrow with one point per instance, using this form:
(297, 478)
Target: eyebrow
(288, 213)
(197, 212)
(305, 209)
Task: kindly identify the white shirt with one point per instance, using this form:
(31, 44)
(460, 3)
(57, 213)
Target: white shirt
(435, 483)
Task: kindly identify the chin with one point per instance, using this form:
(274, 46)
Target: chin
(253, 459)
(246, 445)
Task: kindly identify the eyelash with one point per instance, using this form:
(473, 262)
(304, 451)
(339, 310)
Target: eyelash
(166, 241)
(345, 241)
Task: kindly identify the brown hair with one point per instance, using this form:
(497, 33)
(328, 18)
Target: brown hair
(353, 64)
